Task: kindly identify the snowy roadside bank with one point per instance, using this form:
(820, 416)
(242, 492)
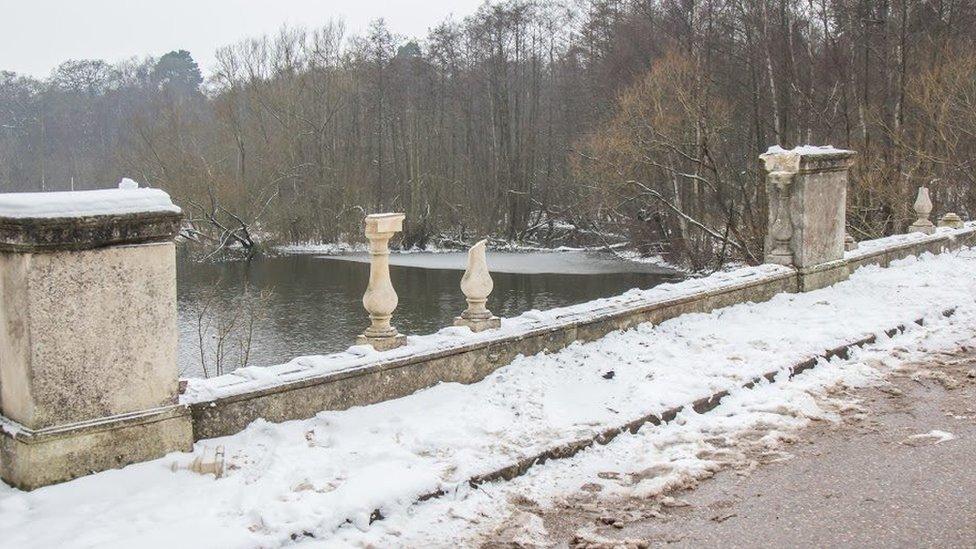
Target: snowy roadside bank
(637, 478)
(311, 476)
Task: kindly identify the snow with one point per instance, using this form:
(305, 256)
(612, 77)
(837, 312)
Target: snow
(937, 436)
(761, 421)
(870, 247)
(127, 199)
(806, 150)
(320, 248)
(10, 427)
(324, 476)
(128, 184)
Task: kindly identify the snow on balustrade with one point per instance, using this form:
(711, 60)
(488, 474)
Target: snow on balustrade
(807, 150)
(866, 248)
(127, 199)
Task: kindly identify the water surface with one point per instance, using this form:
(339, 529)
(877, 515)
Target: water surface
(312, 304)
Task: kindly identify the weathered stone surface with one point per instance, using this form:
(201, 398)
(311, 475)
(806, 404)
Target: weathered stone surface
(817, 203)
(490, 323)
(88, 376)
(807, 190)
(779, 188)
(85, 233)
(31, 459)
(381, 343)
(823, 275)
(951, 220)
(87, 334)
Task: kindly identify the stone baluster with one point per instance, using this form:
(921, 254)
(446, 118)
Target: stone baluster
(380, 299)
(849, 243)
(923, 208)
(476, 284)
(781, 230)
(952, 221)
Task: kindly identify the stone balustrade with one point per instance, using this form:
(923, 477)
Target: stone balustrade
(88, 377)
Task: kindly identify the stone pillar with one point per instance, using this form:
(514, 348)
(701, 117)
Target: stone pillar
(807, 192)
(88, 335)
(476, 284)
(380, 299)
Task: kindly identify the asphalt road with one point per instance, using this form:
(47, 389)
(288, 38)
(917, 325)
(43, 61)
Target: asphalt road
(867, 483)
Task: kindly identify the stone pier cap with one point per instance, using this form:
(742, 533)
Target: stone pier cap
(83, 220)
(806, 159)
(384, 223)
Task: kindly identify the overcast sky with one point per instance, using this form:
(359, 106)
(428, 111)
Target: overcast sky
(37, 35)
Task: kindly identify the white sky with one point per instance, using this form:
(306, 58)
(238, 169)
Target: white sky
(37, 35)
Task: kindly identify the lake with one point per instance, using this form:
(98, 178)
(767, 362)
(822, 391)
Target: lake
(297, 305)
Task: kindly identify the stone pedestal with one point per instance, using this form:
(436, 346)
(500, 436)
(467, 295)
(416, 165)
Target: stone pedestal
(807, 193)
(380, 299)
(88, 373)
(951, 220)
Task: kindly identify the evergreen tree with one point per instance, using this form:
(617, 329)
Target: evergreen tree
(178, 72)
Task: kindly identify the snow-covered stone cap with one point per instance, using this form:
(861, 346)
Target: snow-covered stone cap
(806, 158)
(127, 199)
(78, 220)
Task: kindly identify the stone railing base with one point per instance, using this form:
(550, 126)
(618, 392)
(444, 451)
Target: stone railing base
(490, 323)
(31, 458)
(823, 275)
(382, 343)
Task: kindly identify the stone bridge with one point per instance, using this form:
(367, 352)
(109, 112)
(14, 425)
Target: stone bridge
(88, 375)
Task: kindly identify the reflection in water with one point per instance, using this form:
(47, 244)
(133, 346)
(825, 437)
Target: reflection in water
(316, 305)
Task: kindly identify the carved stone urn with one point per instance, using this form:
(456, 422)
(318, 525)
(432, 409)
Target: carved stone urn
(476, 284)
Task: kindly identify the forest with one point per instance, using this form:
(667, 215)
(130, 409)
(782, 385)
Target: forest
(579, 122)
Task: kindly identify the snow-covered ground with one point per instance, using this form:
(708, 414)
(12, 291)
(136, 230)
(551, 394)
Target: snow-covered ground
(749, 427)
(323, 477)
